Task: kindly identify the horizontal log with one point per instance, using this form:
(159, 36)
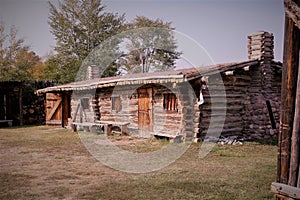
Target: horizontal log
(229, 120)
(225, 127)
(286, 190)
(221, 96)
(228, 108)
(224, 102)
(221, 131)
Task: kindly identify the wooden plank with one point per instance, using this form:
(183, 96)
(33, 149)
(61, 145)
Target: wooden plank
(143, 109)
(294, 175)
(53, 109)
(298, 182)
(150, 107)
(292, 9)
(75, 114)
(281, 197)
(112, 122)
(286, 190)
(288, 90)
(163, 135)
(53, 122)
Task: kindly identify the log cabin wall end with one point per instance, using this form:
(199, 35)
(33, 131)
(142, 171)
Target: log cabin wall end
(252, 106)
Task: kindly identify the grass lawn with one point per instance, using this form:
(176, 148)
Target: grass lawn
(49, 163)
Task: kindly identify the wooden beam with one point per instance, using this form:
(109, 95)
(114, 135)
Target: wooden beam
(295, 141)
(246, 68)
(292, 10)
(229, 73)
(75, 114)
(288, 90)
(285, 190)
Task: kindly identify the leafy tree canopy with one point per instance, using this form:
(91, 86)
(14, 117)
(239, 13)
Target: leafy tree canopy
(17, 62)
(151, 46)
(82, 30)
(78, 27)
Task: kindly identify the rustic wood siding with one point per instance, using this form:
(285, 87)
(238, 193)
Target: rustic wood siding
(164, 121)
(247, 93)
(236, 89)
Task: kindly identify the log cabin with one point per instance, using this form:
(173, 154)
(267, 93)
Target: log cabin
(240, 98)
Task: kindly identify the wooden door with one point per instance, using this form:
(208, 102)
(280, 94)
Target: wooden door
(58, 109)
(145, 110)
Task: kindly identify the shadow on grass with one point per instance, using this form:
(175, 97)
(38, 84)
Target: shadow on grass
(270, 141)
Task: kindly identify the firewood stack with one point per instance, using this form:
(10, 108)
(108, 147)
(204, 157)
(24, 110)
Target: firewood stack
(260, 45)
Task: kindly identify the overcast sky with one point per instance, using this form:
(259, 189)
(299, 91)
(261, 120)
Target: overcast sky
(218, 27)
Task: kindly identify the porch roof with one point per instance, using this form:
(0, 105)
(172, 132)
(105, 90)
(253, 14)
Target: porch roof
(172, 76)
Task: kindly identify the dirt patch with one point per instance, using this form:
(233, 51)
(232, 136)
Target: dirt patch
(46, 163)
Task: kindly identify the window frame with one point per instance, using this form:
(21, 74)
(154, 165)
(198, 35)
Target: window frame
(85, 103)
(170, 102)
(114, 107)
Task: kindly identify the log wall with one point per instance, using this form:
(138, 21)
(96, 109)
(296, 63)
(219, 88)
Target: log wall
(252, 95)
(247, 113)
(230, 108)
(190, 112)
(165, 122)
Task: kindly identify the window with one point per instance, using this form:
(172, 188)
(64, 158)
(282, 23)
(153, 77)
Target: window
(170, 102)
(85, 103)
(116, 103)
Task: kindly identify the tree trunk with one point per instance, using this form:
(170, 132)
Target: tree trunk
(21, 105)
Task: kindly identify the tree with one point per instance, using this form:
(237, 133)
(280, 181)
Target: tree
(16, 61)
(151, 46)
(52, 68)
(79, 26)
(27, 66)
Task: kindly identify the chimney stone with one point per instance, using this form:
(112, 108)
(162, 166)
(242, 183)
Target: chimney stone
(261, 45)
(93, 72)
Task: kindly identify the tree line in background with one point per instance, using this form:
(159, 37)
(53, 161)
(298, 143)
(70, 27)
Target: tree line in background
(83, 28)
(17, 62)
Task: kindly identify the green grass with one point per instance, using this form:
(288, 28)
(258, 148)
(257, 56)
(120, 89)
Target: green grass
(49, 163)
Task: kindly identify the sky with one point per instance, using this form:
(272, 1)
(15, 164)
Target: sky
(216, 28)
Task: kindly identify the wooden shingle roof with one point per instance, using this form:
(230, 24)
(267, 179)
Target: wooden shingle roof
(172, 76)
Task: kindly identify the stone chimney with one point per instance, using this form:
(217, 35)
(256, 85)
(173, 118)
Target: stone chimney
(260, 45)
(262, 96)
(93, 72)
